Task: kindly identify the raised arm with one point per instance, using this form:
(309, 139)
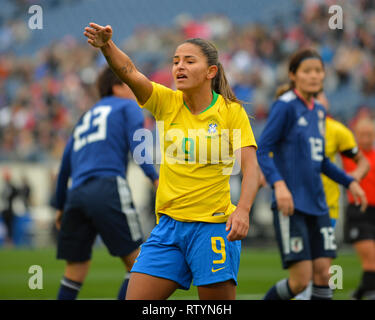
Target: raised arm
(100, 37)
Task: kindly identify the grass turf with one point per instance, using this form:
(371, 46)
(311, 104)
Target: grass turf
(259, 270)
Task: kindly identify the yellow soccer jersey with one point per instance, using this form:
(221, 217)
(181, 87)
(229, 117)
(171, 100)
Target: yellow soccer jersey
(338, 139)
(197, 155)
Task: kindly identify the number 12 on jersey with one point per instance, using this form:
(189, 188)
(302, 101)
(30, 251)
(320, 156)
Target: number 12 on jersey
(96, 118)
(316, 145)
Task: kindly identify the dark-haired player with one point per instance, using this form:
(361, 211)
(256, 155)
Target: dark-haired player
(292, 157)
(99, 200)
(198, 234)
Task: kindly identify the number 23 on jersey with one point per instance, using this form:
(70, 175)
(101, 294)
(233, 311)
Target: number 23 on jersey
(96, 118)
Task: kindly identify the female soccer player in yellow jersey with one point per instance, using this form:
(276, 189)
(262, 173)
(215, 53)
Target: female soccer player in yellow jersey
(199, 230)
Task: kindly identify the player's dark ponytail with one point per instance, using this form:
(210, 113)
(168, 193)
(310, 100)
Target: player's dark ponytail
(220, 83)
(294, 63)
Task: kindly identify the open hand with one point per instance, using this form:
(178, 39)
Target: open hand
(98, 35)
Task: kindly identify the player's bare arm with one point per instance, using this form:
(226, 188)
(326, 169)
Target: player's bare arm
(363, 166)
(238, 221)
(100, 37)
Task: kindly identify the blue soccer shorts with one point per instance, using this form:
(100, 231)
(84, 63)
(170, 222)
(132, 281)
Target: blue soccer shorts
(189, 251)
(100, 206)
(304, 237)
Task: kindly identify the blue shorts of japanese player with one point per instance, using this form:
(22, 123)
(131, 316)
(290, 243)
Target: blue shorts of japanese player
(189, 251)
(100, 206)
(304, 237)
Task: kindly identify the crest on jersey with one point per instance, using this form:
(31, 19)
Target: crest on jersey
(320, 114)
(296, 244)
(302, 122)
(212, 127)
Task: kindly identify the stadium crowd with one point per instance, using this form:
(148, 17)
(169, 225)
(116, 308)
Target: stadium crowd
(41, 97)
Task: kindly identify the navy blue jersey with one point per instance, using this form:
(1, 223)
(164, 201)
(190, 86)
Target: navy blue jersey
(291, 148)
(100, 144)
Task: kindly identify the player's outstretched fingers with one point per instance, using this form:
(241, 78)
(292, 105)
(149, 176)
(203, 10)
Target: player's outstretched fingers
(95, 26)
(90, 31)
(89, 35)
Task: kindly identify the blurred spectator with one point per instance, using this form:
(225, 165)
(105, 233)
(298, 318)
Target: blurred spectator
(8, 194)
(25, 194)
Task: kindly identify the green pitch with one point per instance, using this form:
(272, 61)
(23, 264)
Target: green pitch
(259, 270)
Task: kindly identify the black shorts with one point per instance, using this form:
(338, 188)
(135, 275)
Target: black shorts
(99, 206)
(304, 237)
(359, 225)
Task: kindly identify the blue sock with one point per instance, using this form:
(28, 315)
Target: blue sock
(124, 287)
(280, 291)
(69, 289)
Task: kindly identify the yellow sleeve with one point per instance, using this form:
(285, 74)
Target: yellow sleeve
(161, 101)
(240, 129)
(345, 138)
